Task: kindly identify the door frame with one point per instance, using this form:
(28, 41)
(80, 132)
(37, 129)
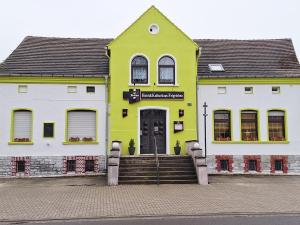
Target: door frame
(167, 126)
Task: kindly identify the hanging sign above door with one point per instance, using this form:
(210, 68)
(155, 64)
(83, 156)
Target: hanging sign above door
(136, 95)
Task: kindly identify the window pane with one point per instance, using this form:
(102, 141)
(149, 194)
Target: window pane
(278, 164)
(139, 74)
(20, 166)
(81, 125)
(224, 164)
(252, 165)
(276, 126)
(48, 129)
(139, 60)
(89, 165)
(166, 75)
(249, 126)
(222, 126)
(22, 126)
(167, 61)
(71, 165)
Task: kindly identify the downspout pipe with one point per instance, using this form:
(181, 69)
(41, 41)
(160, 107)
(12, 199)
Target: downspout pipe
(107, 53)
(198, 54)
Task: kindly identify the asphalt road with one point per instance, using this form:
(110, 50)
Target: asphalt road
(203, 220)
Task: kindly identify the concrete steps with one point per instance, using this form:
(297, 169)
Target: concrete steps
(142, 170)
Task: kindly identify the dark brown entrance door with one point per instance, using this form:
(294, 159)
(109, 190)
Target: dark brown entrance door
(152, 122)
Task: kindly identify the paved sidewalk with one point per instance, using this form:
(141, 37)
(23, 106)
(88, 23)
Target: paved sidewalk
(88, 197)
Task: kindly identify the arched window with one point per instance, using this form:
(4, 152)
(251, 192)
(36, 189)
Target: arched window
(276, 121)
(166, 70)
(139, 70)
(222, 125)
(249, 125)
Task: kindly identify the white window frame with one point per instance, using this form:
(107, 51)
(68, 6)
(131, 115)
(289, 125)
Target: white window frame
(157, 70)
(130, 60)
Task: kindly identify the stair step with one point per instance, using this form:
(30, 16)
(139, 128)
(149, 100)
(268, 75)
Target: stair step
(141, 182)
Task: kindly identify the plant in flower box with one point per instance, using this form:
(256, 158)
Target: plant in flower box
(74, 139)
(87, 139)
(21, 140)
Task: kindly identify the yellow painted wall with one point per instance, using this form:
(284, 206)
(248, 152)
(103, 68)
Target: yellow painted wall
(169, 41)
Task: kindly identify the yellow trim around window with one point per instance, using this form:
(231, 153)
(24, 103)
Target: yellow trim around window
(213, 124)
(12, 132)
(250, 142)
(66, 141)
(258, 124)
(285, 123)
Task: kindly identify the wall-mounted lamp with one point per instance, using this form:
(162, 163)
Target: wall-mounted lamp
(181, 112)
(124, 112)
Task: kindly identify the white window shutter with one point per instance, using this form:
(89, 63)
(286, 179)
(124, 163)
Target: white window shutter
(82, 125)
(22, 124)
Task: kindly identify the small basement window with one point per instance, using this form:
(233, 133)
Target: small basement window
(224, 164)
(275, 90)
(252, 165)
(278, 165)
(89, 165)
(72, 89)
(21, 166)
(248, 90)
(216, 67)
(71, 165)
(221, 90)
(90, 89)
(22, 88)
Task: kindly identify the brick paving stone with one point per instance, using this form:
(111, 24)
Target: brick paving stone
(88, 197)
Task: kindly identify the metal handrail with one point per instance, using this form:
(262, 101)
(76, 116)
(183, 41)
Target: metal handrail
(156, 161)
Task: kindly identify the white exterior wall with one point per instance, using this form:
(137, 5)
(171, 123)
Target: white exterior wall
(263, 100)
(49, 102)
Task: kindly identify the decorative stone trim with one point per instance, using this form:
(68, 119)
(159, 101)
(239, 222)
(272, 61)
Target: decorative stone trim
(80, 163)
(257, 158)
(284, 159)
(14, 161)
(218, 159)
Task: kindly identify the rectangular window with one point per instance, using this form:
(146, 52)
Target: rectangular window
(276, 125)
(221, 90)
(278, 165)
(252, 165)
(22, 88)
(81, 126)
(275, 90)
(20, 166)
(222, 130)
(72, 89)
(249, 125)
(48, 130)
(248, 90)
(22, 126)
(90, 89)
(71, 165)
(224, 164)
(89, 165)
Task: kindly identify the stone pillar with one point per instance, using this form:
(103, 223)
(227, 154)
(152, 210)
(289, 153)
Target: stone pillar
(113, 164)
(202, 174)
(189, 145)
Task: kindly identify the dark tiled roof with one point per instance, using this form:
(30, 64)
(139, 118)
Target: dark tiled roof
(46, 56)
(248, 58)
(43, 56)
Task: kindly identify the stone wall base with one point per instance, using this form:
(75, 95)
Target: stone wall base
(46, 166)
(265, 164)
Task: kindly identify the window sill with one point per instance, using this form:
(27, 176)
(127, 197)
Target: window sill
(167, 85)
(250, 142)
(139, 85)
(20, 143)
(81, 143)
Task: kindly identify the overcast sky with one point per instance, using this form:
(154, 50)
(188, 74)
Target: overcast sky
(231, 19)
